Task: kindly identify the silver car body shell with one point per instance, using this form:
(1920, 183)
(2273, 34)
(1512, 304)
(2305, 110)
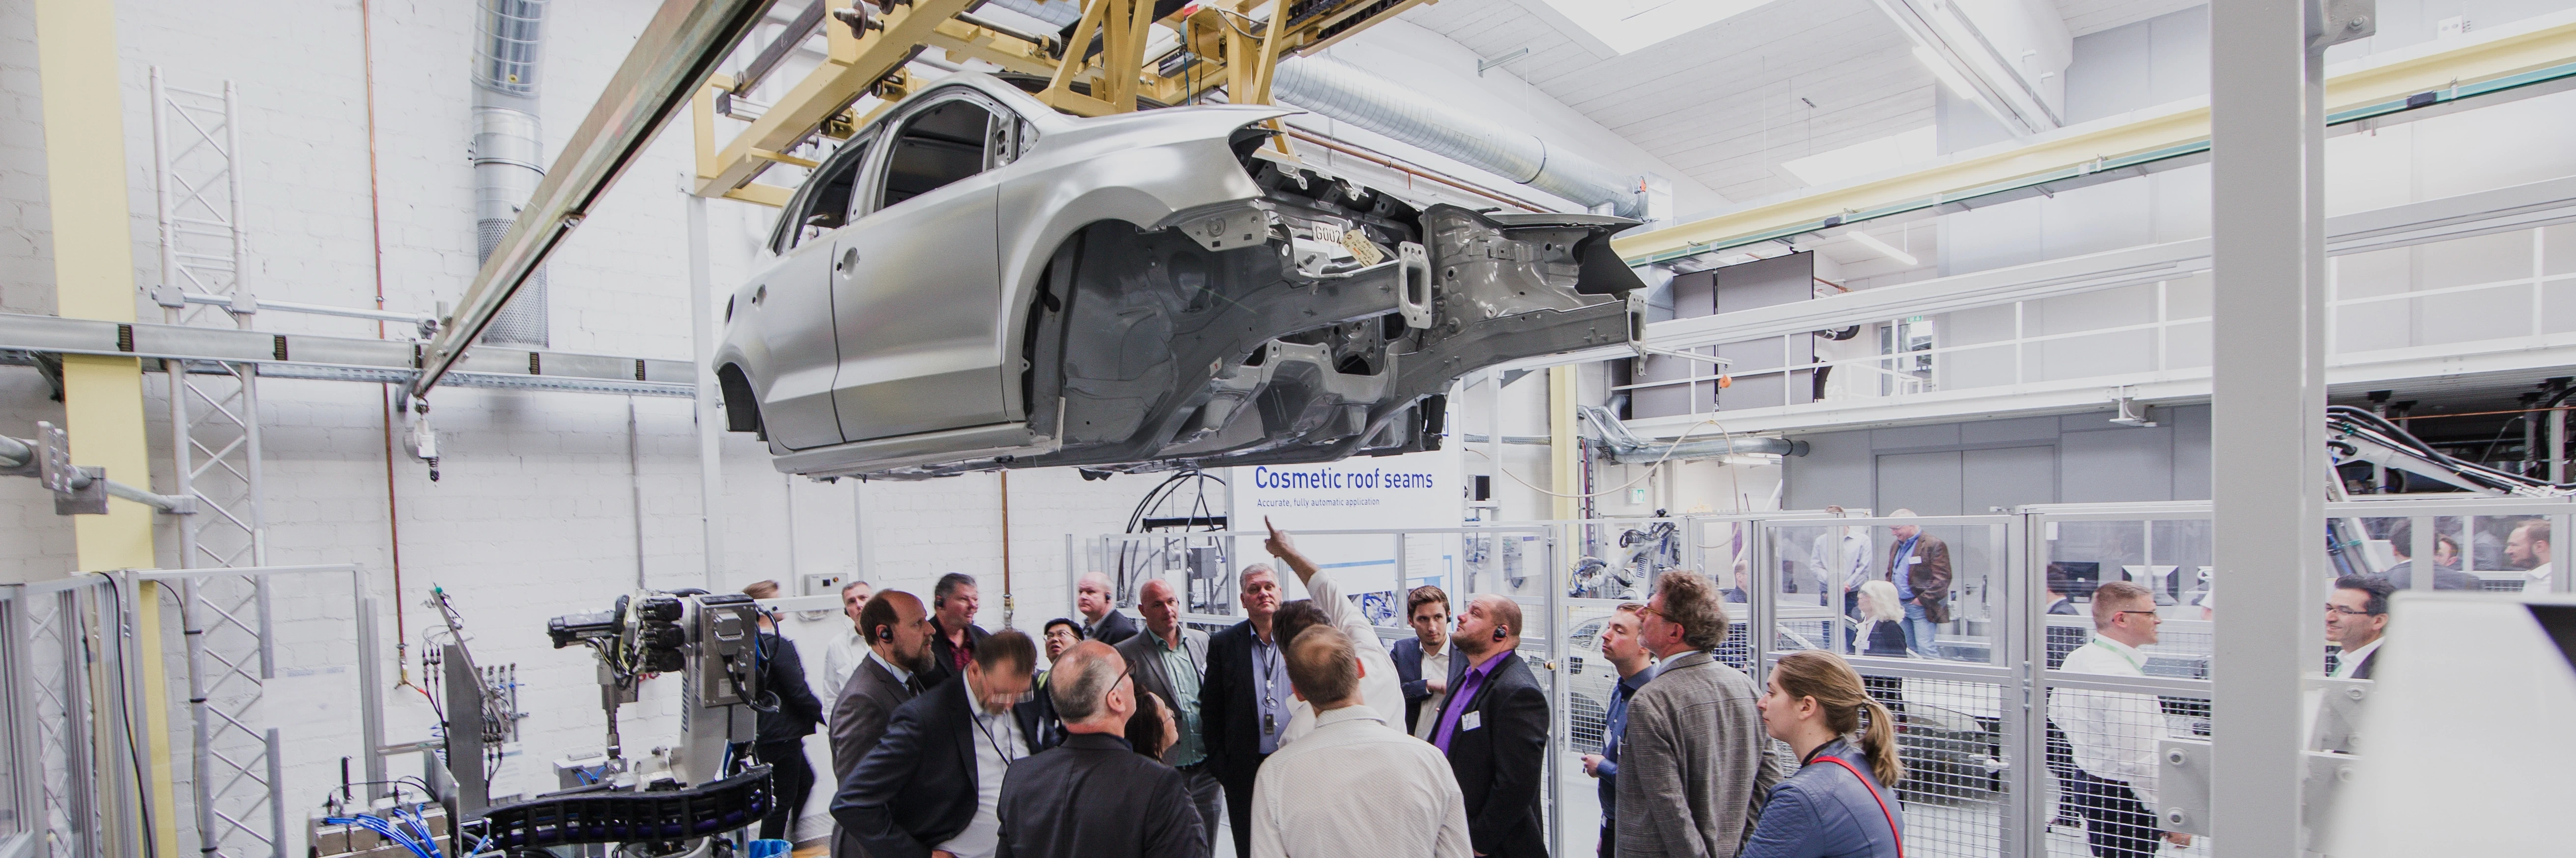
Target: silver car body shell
(1171, 172)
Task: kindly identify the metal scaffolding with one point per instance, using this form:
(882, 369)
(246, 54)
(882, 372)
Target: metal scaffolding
(216, 459)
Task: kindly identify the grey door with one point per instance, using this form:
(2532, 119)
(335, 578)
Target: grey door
(920, 348)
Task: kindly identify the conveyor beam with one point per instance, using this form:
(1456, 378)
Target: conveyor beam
(673, 57)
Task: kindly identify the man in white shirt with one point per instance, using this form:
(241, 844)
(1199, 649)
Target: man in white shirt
(1379, 686)
(1354, 785)
(846, 650)
(930, 787)
(2528, 550)
(1422, 661)
(2114, 733)
(1839, 560)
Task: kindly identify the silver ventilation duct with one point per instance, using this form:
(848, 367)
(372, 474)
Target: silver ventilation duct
(1333, 88)
(509, 158)
(1624, 447)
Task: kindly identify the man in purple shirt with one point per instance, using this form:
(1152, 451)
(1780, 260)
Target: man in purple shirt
(1493, 728)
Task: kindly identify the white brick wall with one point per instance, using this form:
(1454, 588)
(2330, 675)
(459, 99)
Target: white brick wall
(535, 516)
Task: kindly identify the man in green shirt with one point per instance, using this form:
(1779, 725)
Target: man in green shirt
(1169, 661)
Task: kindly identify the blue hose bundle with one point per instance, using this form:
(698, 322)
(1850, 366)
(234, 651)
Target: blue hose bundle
(424, 847)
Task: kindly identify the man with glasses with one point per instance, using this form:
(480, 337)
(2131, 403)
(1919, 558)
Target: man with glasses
(1093, 797)
(2356, 623)
(2114, 733)
(930, 787)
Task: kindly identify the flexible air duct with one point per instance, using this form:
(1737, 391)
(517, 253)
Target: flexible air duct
(508, 157)
(1333, 88)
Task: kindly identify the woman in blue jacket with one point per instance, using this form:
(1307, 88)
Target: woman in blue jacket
(1836, 806)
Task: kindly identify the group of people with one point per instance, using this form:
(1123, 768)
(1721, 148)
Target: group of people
(1898, 601)
(1311, 735)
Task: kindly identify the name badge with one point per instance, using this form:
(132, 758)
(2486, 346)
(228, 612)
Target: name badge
(1470, 721)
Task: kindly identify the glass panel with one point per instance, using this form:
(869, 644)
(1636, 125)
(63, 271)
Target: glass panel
(2171, 559)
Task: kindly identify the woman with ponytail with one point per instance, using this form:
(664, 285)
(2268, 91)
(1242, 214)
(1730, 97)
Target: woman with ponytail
(1837, 805)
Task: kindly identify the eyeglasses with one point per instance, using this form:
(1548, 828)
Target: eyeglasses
(2159, 617)
(1646, 610)
(2339, 609)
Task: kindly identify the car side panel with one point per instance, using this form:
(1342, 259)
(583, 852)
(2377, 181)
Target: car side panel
(916, 315)
(1141, 176)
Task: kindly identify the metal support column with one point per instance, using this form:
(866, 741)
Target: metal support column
(2268, 457)
(710, 437)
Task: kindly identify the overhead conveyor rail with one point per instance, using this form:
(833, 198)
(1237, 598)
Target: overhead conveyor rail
(674, 59)
(24, 337)
(2514, 61)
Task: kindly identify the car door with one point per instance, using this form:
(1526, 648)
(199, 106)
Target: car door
(916, 289)
(791, 306)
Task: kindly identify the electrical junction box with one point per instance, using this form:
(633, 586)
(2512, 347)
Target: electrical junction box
(823, 584)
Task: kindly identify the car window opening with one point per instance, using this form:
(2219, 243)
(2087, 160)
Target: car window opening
(939, 146)
(828, 208)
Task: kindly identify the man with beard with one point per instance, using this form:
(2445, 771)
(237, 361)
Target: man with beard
(898, 633)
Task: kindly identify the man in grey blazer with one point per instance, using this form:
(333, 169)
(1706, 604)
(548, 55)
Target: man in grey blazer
(1169, 661)
(898, 634)
(1695, 764)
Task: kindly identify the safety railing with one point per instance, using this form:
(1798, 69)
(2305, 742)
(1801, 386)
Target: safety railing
(2491, 294)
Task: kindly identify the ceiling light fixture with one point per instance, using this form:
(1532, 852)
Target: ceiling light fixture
(1884, 249)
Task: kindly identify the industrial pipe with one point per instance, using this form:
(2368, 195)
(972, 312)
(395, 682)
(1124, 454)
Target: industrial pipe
(1333, 88)
(508, 154)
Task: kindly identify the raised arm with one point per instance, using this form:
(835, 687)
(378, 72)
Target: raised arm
(1327, 595)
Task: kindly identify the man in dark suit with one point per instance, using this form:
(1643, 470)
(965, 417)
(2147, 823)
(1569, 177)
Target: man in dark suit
(1427, 610)
(1919, 566)
(1243, 706)
(2356, 621)
(898, 634)
(1168, 661)
(1101, 620)
(1093, 796)
(952, 614)
(780, 740)
(1494, 731)
(930, 787)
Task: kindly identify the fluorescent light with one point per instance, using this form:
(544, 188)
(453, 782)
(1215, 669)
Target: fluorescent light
(1884, 249)
(1627, 25)
(1866, 157)
(1958, 83)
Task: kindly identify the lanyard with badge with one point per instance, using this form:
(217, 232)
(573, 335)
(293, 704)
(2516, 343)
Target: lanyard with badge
(2124, 656)
(983, 724)
(1269, 688)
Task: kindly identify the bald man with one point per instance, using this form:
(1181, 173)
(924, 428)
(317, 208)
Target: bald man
(1169, 661)
(1101, 620)
(1493, 729)
(1093, 797)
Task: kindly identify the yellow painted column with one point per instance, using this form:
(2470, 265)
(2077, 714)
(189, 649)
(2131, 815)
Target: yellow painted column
(1565, 463)
(94, 279)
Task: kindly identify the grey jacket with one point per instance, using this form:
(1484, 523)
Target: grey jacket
(1144, 654)
(1694, 763)
(859, 718)
(1825, 812)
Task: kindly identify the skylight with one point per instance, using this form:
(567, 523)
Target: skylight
(1866, 157)
(1627, 25)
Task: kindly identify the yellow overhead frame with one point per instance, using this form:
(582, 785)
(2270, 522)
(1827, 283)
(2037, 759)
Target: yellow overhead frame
(2499, 54)
(870, 41)
(103, 396)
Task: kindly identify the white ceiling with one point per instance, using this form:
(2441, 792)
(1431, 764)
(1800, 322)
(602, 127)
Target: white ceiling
(1727, 103)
